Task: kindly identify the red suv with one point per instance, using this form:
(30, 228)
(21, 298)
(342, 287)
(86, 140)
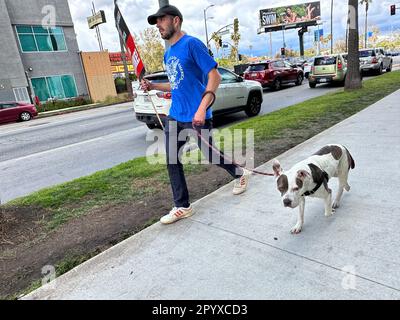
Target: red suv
(274, 73)
(14, 111)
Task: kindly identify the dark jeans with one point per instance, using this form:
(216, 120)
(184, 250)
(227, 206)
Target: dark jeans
(173, 144)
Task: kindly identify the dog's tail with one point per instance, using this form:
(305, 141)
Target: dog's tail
(350, 159)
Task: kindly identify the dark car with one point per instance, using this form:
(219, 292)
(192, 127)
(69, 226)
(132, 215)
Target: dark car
(274, 73)
(14, 111)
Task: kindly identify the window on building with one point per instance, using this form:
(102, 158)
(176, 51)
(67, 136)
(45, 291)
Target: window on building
(21, 94)
(38, 38)
(56, 87)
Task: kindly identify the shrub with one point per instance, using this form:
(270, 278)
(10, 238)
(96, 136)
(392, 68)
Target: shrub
(62, 104)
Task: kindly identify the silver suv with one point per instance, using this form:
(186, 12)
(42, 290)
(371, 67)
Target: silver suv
(234, 94)
(375, 60)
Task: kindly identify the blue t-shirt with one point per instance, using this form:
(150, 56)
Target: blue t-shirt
(188, 64)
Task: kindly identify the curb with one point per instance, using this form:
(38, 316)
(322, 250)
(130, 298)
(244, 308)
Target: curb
(76, 109)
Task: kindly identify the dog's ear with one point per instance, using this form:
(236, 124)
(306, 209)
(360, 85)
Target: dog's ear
(276, 166)
(302, 174)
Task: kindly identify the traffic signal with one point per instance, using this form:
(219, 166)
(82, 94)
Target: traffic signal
(220, 42)
(282, 51)
(392, 9)
(240, 57)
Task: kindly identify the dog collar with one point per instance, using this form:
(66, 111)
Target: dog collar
(325, 178)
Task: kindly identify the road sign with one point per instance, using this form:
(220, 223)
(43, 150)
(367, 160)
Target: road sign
(317, 36)
(96, 19)
(223, 32)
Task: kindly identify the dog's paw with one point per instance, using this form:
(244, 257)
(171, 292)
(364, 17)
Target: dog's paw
(347, 187)
(296, 229)
(335, 205)
(329, 212)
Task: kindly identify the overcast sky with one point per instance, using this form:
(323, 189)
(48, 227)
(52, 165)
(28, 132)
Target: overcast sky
(223, 12)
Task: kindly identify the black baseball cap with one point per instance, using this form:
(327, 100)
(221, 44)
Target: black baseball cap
(163, 11)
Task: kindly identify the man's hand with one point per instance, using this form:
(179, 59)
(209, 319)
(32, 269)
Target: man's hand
(199, 118)
(146, 85)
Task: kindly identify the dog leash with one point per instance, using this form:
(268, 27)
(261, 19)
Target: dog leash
(197, 130)
(218, 151)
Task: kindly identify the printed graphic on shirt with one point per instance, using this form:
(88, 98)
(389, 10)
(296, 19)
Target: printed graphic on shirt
(175, 72)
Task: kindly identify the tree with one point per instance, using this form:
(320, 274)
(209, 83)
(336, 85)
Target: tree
(235, 36)
(375, 35)
(151, 50)
(367, 2)
(353, 77)
(339, 46)
(310, 52)
(217, 40)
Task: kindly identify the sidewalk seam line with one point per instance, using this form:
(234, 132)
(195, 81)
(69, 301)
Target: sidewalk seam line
(295, 254)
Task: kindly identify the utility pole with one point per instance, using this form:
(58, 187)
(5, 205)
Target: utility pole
(270, 44)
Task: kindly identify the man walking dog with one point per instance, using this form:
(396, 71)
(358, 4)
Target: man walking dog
(193, 81)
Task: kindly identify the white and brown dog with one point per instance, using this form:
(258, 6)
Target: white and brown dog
(310, 178)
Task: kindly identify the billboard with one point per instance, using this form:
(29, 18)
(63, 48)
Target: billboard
(289, 17)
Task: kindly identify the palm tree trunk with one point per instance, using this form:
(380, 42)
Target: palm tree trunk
(347, 34)
(353, 79)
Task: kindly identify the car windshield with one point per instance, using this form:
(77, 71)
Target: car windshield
(257, 67)
(367, 53)
(323, 61)
(157, 78)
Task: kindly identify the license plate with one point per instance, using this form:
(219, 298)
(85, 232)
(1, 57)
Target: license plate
(254, 74)
(323, 80)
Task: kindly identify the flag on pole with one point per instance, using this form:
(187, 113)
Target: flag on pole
(129, 42)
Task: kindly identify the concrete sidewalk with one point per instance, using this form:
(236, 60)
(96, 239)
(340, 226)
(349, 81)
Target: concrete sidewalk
(240, 247)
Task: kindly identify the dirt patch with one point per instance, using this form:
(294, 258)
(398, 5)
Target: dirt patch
(26, 247)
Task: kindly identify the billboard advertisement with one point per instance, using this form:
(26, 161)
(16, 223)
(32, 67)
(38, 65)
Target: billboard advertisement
(293, 16)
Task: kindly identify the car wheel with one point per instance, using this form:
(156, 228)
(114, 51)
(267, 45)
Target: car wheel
(253, 107)
(390, 68)
(312, 84)
(25, 116)
(299, 80)
(277, 85)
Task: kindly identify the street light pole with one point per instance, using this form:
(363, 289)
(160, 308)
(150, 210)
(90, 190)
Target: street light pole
(283, 32)
(331, 26)
(205, 22)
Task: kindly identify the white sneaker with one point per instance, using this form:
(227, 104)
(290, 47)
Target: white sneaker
(241, 183)
(176, 214)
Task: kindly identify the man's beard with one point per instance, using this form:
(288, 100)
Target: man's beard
(169, 33)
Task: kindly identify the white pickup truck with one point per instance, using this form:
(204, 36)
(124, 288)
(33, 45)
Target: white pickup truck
(234, 94)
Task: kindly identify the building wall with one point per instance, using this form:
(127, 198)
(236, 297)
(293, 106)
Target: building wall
(45, 63)
(12, 72)
(99, 77)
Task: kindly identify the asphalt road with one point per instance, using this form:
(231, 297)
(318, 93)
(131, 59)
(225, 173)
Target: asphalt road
(48, 151)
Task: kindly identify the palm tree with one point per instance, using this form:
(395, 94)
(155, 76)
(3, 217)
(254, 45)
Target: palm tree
(353, 77)
(367, 2)
(217, 40)
(235, 36)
